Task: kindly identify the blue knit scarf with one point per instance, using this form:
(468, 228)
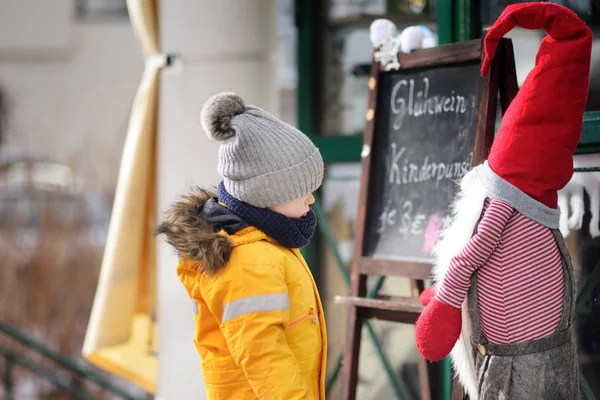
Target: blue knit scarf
(288, 232)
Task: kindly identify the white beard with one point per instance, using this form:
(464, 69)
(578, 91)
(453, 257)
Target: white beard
(466, 210)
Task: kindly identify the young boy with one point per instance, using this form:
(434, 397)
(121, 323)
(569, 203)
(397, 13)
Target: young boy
(260, 329)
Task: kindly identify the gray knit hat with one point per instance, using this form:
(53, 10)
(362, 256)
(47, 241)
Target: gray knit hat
(263, 161)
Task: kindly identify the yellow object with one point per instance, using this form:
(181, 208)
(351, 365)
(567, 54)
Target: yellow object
(481, 349)
(134, 360)
(122, 320)
(260, 328)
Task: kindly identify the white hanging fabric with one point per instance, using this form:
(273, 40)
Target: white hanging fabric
(570, 198)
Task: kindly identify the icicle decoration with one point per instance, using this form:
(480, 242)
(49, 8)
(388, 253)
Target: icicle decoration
(570, 198)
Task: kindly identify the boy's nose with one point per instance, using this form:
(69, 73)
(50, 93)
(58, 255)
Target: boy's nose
(311, 199)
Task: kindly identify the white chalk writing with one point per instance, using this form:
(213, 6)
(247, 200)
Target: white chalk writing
(403, 171)
(404, 220)
(415, 101)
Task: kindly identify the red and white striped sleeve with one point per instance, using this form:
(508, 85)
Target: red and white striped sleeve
(457, 280)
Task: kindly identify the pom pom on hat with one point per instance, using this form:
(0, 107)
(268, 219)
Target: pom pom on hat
(217, 113)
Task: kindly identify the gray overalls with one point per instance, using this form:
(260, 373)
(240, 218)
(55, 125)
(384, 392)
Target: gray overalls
(542, 369)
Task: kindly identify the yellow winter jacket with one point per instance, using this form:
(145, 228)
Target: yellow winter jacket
(260, 328)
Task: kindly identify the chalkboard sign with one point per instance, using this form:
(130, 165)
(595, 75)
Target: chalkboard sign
(428, 123)
(424, 141)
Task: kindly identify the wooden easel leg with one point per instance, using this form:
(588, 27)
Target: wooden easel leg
(351, 354)
(358, 283)
(457, 392)
(424, 378)
(417, 287)
(508, 84)
(425, 367)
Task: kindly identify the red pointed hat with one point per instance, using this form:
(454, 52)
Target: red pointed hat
(533, 149)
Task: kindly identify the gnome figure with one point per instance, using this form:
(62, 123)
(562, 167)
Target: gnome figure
(503, 304)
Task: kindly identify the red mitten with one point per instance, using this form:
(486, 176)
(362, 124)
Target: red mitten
(438, 329)
(427, 295)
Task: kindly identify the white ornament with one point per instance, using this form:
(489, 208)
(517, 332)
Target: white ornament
(382, 31)
(411, 39)
(387, 42)
(573, 192)
(385, 39)
(429, 40)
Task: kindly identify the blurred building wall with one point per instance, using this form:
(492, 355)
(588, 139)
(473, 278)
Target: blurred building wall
(69, 83)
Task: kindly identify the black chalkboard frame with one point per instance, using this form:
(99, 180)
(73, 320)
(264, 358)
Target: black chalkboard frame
(455, 53)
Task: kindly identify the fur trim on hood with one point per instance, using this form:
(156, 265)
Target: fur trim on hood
(187, 229)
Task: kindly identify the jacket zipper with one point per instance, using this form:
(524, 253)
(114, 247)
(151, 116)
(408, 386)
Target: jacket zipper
(310, 313)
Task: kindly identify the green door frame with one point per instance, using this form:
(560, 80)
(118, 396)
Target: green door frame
(309, 18)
